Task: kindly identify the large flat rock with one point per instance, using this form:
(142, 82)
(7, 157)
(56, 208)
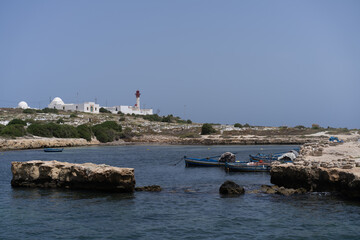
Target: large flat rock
(54, 174)
(319, 179)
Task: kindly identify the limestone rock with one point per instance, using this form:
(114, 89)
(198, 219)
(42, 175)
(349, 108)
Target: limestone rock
(317, 178)
(281, 190)
(152, 188)
(231, 188)
(54, 174)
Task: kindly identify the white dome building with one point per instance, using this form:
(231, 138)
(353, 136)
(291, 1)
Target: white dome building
(90, 107)
(23, 105)
(57, 101)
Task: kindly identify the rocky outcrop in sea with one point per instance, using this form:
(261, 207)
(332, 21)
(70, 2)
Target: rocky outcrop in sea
(54, 174)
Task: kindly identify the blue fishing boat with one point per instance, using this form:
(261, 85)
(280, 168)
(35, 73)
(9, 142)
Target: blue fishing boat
(202, 162)
(215, 161)
(248, 167)
(53, 149)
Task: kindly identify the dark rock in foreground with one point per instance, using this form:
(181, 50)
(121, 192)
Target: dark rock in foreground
(54, 174)
(231, 188)
(152, 188)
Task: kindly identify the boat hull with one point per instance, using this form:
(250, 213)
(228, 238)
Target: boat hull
(203, 162)
(247, 167)
(53, 149)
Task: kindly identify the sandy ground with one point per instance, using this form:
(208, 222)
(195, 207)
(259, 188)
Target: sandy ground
(347, 150)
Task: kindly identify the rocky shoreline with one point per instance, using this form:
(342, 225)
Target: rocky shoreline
(37, 142)
(323, 167)
(34, 143)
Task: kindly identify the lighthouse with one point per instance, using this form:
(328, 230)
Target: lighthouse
(137, 94)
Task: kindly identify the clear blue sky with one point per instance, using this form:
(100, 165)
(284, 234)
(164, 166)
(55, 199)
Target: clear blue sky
(266, 63)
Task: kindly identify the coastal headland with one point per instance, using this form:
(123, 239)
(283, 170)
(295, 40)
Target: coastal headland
(21, 129)
(321, 165)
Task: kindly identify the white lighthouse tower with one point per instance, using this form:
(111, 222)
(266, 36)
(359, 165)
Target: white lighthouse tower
(137, 94)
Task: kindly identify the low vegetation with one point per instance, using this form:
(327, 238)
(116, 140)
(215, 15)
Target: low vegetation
(169, 119)
(207, 128)
(103, 110)
(107, 131)
(45, 110)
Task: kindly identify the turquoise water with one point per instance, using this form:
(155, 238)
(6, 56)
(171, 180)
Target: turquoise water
(189, 207)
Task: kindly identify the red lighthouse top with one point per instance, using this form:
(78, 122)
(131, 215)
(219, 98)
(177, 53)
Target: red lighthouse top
(137, 94)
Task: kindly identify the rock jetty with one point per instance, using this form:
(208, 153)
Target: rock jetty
(322, 167)
(54, 174)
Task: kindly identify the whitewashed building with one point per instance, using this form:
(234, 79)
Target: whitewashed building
(23, 105)
(88, 107)
(131, 109)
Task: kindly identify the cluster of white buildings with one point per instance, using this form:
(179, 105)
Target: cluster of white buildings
(92, 107)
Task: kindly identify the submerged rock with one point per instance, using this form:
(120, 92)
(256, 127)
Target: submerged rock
(231, 188)
(152, 188)
(54, 174)
(281, 190)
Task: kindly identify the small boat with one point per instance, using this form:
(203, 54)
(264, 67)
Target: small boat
(203, 162)
(265, 157)
(272, 157)
(53, 149)
(248, 167)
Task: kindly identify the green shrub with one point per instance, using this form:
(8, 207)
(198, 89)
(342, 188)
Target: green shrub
(1, 127)
(238, 125)
(121, 113)
(103, 110)
(122, 119)
(168, 118)
(111, 125)
(300, 127)
(17, 122)
(153, 118)
(29, 111)
(64, 131)
(246, 125)
(13, 130)
(73, 115)
(207, 129)
(104, 134)
(315, 126)
(107, 131)
(50, 110)
(60, 120)
(38, 129)
(53, 130)
(189, 121)
(85, 132)
(29, 120)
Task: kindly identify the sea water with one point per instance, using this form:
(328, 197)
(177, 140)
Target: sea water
(188, 207)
